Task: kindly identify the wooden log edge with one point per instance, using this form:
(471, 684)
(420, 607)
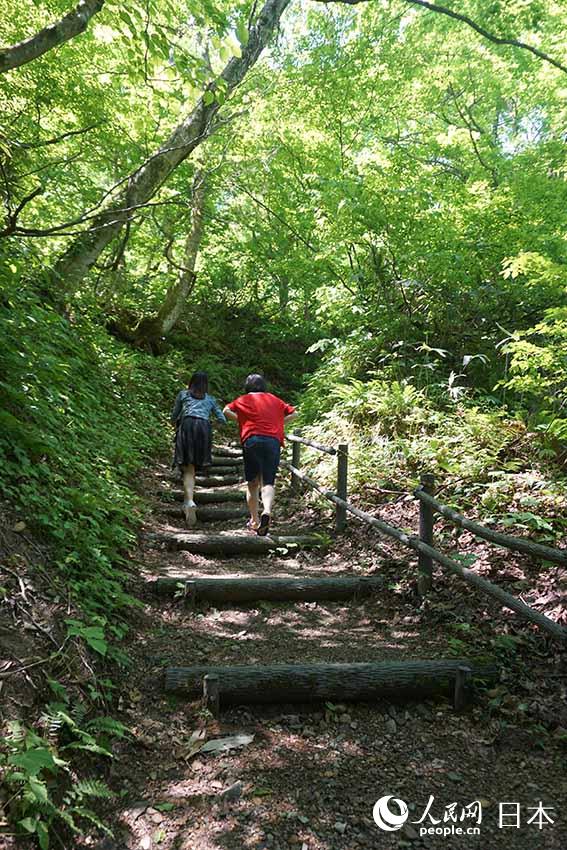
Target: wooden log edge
(253, 588)
(315, 682)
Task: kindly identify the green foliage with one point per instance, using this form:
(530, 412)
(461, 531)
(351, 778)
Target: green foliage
(388, 196)
(43, 792)
(81, 415)
(538, 372)
(396, 431)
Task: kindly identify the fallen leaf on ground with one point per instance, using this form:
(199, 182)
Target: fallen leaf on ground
(219, 745)
(195, 744)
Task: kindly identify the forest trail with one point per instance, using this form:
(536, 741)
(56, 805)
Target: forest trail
(305, 777)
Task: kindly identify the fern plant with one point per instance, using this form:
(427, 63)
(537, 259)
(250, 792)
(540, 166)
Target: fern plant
(35, 771)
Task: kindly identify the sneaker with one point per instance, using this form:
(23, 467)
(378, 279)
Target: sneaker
(190, 511)
(264, 526)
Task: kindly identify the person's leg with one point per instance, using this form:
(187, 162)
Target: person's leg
(189, 482)
(268, 496)
(252, 491)
(270, 464)
(253, 480)
(189, 506)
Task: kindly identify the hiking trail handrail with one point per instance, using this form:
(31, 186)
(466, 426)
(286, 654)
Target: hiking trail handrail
(296, 438)
(428, 554)
(341, 453)
(508, 541)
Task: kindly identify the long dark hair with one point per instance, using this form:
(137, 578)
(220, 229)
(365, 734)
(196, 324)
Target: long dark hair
(255, 384)
(199, 384)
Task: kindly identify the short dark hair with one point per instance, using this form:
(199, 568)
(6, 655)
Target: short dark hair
(199, 384)
(255, 384)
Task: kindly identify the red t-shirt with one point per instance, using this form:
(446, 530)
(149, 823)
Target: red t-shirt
(261, 415)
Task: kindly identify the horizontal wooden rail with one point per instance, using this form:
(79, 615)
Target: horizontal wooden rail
(536, 550)
(505, 599)
(294, 438)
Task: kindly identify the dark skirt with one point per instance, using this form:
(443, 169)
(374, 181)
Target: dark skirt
(193, 443)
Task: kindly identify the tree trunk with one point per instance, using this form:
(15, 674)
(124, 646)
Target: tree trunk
(276, 589)
(285, 683)
(145, 181)
(72, 24)
(176, 296)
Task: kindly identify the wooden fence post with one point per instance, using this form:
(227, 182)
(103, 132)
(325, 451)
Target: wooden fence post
(342, 486)
(211, 693)
(426, 518)
(295, 461)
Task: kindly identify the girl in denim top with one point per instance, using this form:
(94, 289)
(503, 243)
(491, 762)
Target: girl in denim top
(193, 442)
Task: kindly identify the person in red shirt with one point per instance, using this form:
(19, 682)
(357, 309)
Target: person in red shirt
(261, 417)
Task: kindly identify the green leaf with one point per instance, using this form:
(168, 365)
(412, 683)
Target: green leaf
(43, 835)
(33, 761)
(29, 824)
(39, 790)
(208, 97)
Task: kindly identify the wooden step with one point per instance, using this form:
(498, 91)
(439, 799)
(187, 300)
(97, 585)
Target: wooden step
(228, 451)
(230, 543)
(217, 471)
(305, 683)
(217, 481)
(207, 497)
(254, 588)
(228, 461)
(210, 514)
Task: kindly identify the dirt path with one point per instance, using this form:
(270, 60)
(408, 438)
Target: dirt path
(310, 776)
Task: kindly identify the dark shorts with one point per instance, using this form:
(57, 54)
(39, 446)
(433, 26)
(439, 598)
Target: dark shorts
(261, 457)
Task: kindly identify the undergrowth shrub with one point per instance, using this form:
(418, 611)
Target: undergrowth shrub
(396, 431)
(80, 415)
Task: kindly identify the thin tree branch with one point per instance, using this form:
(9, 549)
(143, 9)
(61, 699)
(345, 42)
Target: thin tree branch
(61, 229)
(458, 16)
(12, 217)
(68, 27)
(58, 139)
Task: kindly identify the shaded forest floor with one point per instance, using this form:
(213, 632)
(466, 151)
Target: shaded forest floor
(311, 775)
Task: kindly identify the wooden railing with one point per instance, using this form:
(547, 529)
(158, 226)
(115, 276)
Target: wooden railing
(423, 544)
(341, 453)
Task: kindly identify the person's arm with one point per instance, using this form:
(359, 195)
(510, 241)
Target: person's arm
(217, 411)
(289, 412)
(230, 414)
(176, 409)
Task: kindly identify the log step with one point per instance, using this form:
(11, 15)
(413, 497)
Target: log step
(207, 497)
(228, 461)
(255, 588)
(227, 543)
(214, 481)
(228, 451)
(217, 470)
(210, 514)
(284, 683)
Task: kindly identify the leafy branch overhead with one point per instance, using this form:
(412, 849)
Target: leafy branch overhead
(456, 15)
(54, 35)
